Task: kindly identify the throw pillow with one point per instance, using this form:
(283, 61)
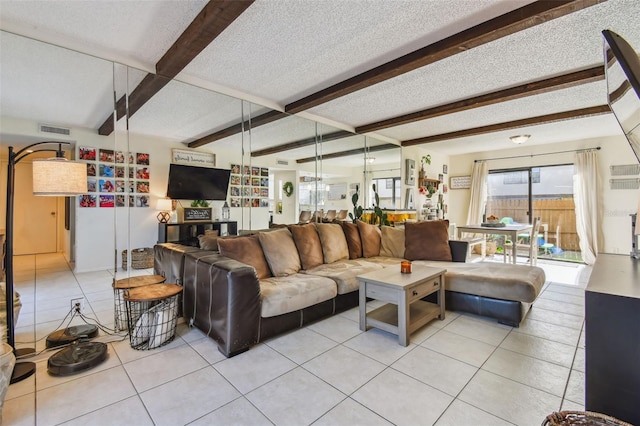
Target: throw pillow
(246, 250)
(427, 240)
(354, 243)
(334, 243)
(308, 244)
(370, 236)
(280, 251)
(392, 244)
(209, 241)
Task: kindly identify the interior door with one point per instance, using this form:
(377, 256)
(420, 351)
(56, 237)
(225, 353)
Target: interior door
(34, 218)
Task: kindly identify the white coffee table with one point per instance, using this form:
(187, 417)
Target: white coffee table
(405, 312)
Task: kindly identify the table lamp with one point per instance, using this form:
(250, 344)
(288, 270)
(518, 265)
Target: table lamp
(164, 205)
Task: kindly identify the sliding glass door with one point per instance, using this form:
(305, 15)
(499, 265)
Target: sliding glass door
(519, 195)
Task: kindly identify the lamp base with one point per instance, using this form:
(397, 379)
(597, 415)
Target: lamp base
(71, 334)
(163, 217)
(77, 358)
(21, 371)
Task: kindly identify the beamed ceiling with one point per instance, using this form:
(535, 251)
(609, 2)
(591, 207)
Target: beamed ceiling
(454, 76)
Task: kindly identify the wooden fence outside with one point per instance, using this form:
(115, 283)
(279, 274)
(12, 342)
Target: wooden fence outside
(553, 212)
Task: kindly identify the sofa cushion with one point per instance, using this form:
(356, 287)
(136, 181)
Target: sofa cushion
(280, 251)
(427, 240)
(246, 250)
(392, 243)
(371, 237)
(521, 283)
(308, 244)
(345, 273)
(334, 243)
(354, 243)
(281, 295)
(209, 241)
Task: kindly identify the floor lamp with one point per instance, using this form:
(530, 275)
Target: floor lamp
(51, 177)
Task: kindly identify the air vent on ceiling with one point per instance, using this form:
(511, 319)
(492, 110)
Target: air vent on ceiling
(46, 128)
(625, 169)
(281, 162)
(624, 183)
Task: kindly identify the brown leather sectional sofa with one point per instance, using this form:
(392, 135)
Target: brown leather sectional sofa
(259, 286)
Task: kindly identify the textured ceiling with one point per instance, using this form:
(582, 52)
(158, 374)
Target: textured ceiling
(279, 51)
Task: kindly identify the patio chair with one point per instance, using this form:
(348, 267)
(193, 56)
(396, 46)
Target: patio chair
(331, 214)
(531, 248)
(305, 217)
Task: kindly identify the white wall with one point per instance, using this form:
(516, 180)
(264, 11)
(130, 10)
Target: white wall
(615, 205)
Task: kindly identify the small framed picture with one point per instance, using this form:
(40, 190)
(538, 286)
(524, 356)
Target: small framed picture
(107, 200)
(132, 201)
(106, 170)
(92, 185)
(142, 186)
(119, 157)
(235, 169)
(142, 158)
(119, 172)
(142, 201)
(87, 153)
(106, 155)
(445, 169)
(91, 169)
(235, 180)
(88, 200)
(106, 185)
(120, 200)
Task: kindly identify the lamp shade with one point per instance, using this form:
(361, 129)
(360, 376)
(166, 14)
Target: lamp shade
(164, 204)
(59, 177)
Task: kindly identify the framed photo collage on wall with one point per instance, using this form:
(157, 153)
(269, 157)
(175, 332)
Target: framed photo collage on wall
(115, 178)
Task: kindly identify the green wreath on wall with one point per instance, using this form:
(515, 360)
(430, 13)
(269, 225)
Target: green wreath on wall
(287, 188)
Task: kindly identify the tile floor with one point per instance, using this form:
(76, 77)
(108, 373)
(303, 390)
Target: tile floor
(463, 370)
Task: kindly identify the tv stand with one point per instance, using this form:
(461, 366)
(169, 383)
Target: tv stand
(187, 233)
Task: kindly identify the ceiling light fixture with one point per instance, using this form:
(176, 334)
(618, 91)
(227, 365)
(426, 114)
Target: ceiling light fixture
(370, 160)
(519, 139)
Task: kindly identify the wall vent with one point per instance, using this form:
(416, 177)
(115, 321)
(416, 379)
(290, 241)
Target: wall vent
(624, 183)
(281, 162)
(625, 170)
(46, 128)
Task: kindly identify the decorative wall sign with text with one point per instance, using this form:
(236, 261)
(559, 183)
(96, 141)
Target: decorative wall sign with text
(194, 158)
(460, 182)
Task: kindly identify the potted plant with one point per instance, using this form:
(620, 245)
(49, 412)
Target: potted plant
(425, 159)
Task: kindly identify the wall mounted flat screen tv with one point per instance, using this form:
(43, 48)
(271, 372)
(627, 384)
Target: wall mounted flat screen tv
(197, 183)
(622, 70)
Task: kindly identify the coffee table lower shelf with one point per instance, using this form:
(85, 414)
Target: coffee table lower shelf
(386, 317)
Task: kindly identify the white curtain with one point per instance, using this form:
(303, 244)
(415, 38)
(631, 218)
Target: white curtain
(478, 200)
(585, 195)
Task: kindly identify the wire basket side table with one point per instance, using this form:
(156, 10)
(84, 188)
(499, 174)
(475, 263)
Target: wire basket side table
(119, 288)
(152, 315)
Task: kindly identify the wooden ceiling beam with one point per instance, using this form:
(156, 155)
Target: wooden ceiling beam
(517, 20)
(212, 20)
(532, 121)
(260, 120)
(529, 89)
(302, 143)
(356, 151)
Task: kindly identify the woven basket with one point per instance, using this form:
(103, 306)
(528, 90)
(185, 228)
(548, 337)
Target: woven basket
(141, 258)
(581, 418)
